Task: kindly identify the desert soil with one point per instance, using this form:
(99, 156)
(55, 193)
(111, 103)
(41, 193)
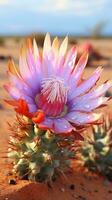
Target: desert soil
(77, 186)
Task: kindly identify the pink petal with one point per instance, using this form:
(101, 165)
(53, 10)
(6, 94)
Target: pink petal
(61, 57)
(35, 50)
(16, 94)
(100, 90)
(48, 58)
(95, 93)
(78, 70)
(86, 85)
(32, 107)
(31, 62)
(63, 47)
(47, 45)
(47, 123)
(59, 65)
(27, 98)
(69, 64)
(62, 126)
(20, 84)
(88, 105)
(55, 46)
(23, 66)
(48, 65)
(13, 91)
(28, 70)
(79, 118)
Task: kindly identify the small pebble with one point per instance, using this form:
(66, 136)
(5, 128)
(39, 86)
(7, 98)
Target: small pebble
(49, 185)
(82, 198)
(83, 188)
(9, 174)
(12, 182)
(63, 189)
(108, 94)
(110, 191)
(72, 187)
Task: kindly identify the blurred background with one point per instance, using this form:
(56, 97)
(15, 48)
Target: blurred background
(87, 23)
(84, 21)
(59, 17)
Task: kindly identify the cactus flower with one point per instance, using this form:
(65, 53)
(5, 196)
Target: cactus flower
(52, 82)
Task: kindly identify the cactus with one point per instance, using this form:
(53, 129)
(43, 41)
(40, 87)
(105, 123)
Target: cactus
(96, 152)
(38, 155)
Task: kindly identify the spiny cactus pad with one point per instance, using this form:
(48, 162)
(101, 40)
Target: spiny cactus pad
(96, 153)
(38, 155)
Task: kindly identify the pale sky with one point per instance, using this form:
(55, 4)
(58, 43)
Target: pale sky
(54, 16)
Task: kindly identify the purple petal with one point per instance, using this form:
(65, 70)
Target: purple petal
(13, 91)
(32, 107)
(86, 85)
(88, 105)
(28, 72)
(47, 123)
(79, 118)
(66, 70)
(62, 126)
(92, 95)
(47, 65)
(20, 84)
(35, 50)
(23, 66)
(28, 99)
(30, 61)
(78, 70)
(99, 90)
(61, 57)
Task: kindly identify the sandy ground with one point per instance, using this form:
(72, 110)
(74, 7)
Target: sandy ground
(85, 188)
(76, 186)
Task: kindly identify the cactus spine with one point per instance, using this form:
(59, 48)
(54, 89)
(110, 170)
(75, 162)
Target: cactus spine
(96, 153)
(38, 155)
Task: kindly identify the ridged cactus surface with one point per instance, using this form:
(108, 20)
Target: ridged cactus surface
(96, 153)
(37, 154)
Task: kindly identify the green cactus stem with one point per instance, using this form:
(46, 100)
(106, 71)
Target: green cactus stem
(96, 153)
(38, 155)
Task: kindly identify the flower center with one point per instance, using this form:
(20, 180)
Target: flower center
(53, 97)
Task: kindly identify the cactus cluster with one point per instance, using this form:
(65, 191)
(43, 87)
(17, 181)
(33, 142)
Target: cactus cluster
(37, 154)
(96, 152)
